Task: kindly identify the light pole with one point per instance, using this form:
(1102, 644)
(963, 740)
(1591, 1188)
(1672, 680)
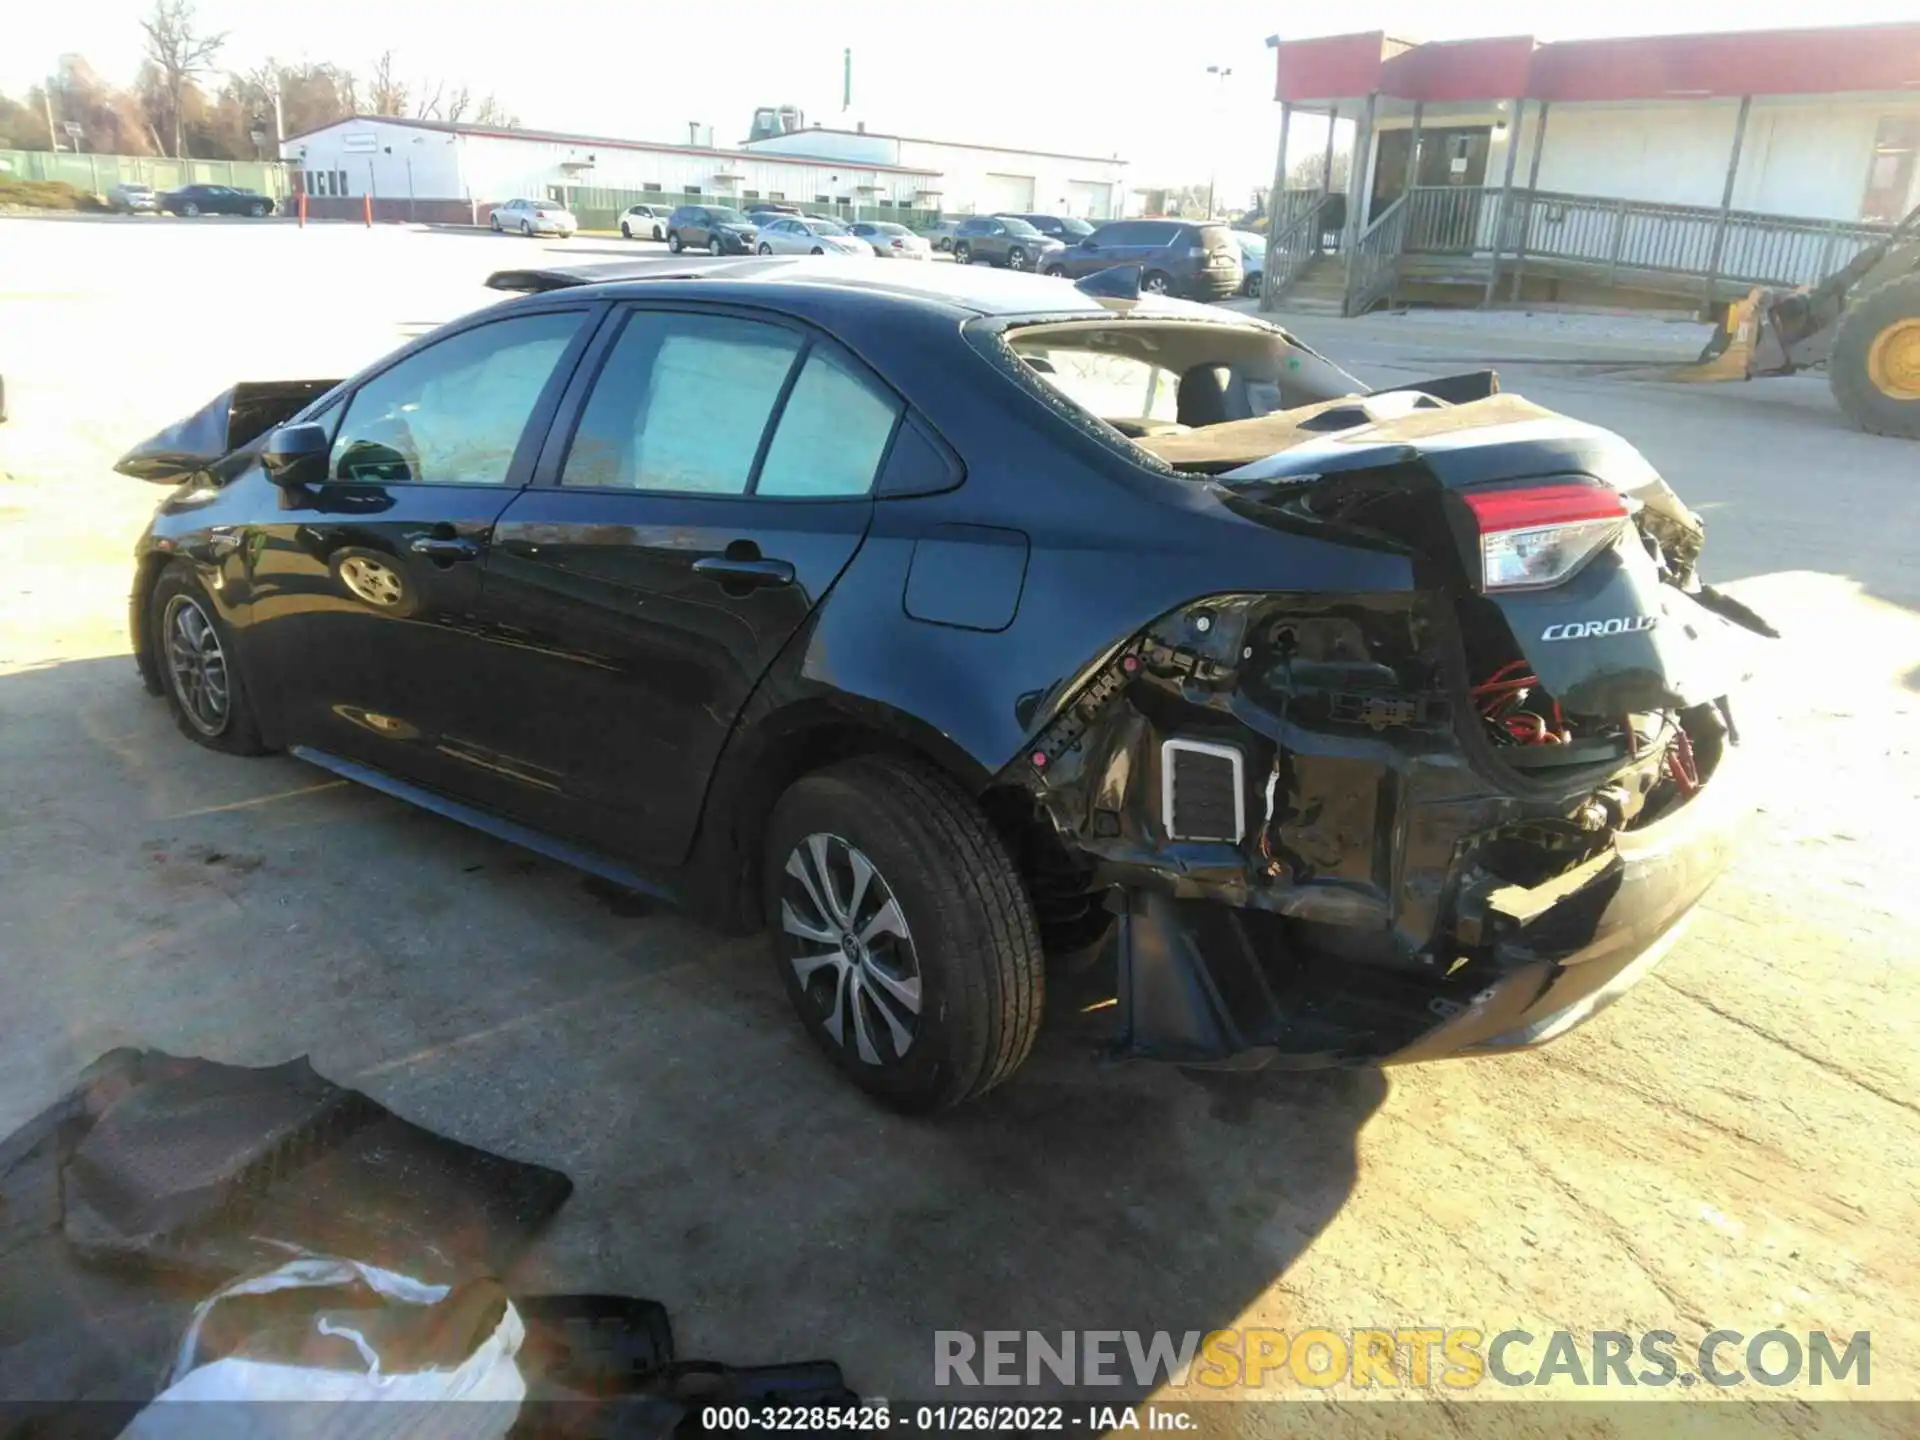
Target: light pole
(1213, 175)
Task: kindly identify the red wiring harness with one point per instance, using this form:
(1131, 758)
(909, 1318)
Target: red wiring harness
(1500, 696)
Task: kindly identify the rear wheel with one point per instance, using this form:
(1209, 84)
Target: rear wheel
(258, 210)
(190, 210)
(673, 241)
(1058, 271)
(765, 249)
(1016, 259)
(1156, 282)
(494, 220)
(526, 228)
(1250, 287)
(626, 231)
(658, 233)
(962, 253)
(1874, 371)
(901, 932)
(713, 246)
(195, 651)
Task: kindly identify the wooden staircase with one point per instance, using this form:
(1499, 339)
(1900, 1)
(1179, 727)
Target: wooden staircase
(1320, 289)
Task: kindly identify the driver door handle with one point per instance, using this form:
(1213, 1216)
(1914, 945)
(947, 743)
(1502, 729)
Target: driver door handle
(744, 573)
(446, 551)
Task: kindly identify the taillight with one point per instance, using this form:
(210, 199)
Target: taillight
(1537, 535)
(899, 244)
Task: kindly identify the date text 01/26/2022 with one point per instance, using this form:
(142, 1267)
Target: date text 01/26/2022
(879, 1416)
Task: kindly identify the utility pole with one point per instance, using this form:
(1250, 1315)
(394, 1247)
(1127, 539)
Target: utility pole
(46, 99)
(1213, 175)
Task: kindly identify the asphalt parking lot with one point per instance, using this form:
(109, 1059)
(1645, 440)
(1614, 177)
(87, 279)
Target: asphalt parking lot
(1734, 1146)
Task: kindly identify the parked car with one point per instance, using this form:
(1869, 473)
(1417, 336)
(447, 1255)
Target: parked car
(805, 235)
(939, 234)
(193, 200)
(533, 217)
(891, 241)
(644, 222)
(1424, 753)
(713, 228)
(1253, 259)
(770, 207)
(1067, 229)
(1195, 259)
(132, 198)
(1003, 240)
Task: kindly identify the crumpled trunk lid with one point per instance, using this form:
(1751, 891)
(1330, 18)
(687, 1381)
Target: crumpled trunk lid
(233, 418)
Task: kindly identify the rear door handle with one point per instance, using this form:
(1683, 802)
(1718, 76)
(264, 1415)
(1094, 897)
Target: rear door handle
(744, 574)
(445, 551)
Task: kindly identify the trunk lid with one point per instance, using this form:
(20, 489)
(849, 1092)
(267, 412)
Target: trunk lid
(233, 418)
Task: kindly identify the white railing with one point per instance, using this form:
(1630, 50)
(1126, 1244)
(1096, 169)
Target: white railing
(1293, 244)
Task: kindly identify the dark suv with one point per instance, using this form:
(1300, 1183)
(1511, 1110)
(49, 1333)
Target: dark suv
(1176, 257)
(1004, 240)
(1065, 228)
(714, 228)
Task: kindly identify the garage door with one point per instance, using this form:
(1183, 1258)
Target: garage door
(1008, 192)
(1088, 199)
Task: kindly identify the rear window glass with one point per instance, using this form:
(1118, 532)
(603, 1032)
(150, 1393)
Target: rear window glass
(1114, 387)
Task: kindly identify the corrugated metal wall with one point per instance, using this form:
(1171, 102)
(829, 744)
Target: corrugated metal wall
(98, 173)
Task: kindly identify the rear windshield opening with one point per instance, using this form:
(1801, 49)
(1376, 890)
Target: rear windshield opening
(1152, 380)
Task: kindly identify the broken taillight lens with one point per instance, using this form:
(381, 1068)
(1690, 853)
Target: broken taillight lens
(1537, 535)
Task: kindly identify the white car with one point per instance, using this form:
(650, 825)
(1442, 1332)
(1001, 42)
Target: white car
(808, 235)
(645, 222)
(534, 217)
(891, 241)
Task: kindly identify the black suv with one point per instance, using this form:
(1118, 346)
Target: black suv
(216, 200)
(1176, 257)
(1003, 240)
(1065, 228)
(712, 228)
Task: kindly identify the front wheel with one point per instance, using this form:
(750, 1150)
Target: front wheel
(1874, 371)
(673, 241)
(626, 231)
(713, 247)
(257, 210)
(658, 233)
(962, 253)
(494, 221)
(190, 210)
(902, 933)
(1016, 259)
(1250, 287)
(195, 655)
(765, 249)
(1059, 272)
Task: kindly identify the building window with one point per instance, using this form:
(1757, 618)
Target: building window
(652, 187)
(1890, 175)
(340, 182)
(776, 195)
(749, 194)
(693, 190)
(823, 199)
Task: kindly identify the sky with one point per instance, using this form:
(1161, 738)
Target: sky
(1096, 77)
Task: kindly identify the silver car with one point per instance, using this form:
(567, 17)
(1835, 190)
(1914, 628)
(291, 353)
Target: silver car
(891, 241)
(809, 235)
(131, 198)
(534, 217)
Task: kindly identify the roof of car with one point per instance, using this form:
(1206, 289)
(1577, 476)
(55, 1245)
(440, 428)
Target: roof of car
(976, 290)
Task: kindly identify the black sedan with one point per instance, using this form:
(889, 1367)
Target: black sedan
(943, 622)
(216, 200)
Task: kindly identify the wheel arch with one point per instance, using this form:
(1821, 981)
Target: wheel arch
(765, 757)
(146, 575)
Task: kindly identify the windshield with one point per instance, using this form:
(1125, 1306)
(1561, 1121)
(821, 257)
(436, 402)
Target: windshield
(1073, 228)
(728, 217)
(887, 227)
(1018, 227)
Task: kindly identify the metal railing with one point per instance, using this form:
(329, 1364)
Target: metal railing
(1291, 246)
(1634, 235)
(1451, 219)
(1373, 269)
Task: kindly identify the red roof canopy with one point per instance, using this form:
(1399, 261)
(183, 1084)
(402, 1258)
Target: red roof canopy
(1837, 60)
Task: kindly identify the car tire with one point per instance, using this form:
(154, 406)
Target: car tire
(1873, 372)
(673, 241)
(193, 650)
(494, 221)
(1016, 258)
(257, 210)
(1157, 282)
(765, 249)
(658, 233)
(626, 231)
(190, 210)
(1250, 287)
(951, 957)
(714, 247)
(526, 228)
(962, 253)
(1058, 272)
(816, 251)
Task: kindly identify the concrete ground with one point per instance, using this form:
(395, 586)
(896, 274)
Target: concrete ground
(1734, 1146)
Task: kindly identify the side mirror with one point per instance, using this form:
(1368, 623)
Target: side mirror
(292, 454)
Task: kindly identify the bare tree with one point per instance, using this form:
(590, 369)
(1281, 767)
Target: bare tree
(492, 112)
(386, 93)
(429, 106)
(178, 50)
(458, 104)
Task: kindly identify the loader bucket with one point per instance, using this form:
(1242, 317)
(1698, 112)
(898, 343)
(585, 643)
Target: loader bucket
(1728, 355)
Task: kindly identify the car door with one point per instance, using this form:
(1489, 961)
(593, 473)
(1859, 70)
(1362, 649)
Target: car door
(1097, 251)
(714, 483)
(365, 585)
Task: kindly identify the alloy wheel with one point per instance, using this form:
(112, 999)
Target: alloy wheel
(196, 666)
(847, 940)
(1155, 284)
(371, 581)
(1016, 259)
(713, 246)
(626, 231)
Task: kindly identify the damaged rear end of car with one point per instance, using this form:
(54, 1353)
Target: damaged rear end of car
(1344, 828)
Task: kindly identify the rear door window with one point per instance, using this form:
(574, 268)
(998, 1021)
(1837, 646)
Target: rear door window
(832, 433)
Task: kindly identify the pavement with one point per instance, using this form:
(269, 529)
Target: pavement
(1735, 1145)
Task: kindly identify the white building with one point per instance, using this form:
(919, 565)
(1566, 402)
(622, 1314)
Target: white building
(434, 171)
(975, 178)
